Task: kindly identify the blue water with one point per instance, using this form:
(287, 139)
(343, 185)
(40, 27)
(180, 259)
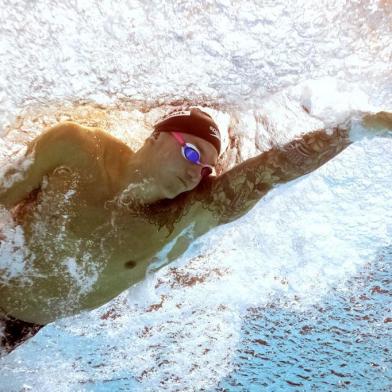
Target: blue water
(343, 343)
(239, 328)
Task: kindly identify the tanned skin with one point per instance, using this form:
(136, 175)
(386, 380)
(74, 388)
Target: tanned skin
(87, 239)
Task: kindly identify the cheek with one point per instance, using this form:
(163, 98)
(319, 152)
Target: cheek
(173, 158)
(166, 163)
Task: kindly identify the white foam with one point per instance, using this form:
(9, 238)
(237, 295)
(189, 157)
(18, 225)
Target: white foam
(82, 281)
(300, 240)
(13, 254)
(331, 100)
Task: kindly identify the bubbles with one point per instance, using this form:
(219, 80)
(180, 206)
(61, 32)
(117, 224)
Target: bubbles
(291, 251)
(182, 327)
(13, 253)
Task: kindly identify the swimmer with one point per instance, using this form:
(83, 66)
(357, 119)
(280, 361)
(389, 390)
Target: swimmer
(94, 214)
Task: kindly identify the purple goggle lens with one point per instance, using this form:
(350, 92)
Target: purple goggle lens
(192, 154)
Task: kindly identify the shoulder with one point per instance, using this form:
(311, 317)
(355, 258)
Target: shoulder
(72, 132)
(64, 143)
(196, 208)
(66, 128)
(73, 135)
(62, 134)
(225, 198)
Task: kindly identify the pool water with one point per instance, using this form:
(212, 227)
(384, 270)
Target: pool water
(343, 342)
(293, 296)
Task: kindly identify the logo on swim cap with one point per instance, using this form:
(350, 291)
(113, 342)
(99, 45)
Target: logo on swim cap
(214, 132)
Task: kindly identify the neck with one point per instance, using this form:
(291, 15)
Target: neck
(140, 182)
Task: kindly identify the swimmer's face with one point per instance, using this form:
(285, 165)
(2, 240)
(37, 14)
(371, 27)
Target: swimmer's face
(176, 173)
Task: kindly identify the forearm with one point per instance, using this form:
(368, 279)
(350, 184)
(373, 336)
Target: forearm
(301, 156)
(235, 192)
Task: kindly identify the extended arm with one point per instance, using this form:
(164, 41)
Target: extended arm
(235, 192)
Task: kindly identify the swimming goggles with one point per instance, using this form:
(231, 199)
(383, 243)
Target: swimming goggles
(192, 154)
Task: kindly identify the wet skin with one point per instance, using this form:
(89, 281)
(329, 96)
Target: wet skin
(69, 210)
(87, 239)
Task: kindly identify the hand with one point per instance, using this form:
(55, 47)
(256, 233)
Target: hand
(380, 120)
(372, 125)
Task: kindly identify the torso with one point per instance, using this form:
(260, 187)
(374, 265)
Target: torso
(81, 249)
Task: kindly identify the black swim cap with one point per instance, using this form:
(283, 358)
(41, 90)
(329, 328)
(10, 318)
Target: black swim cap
(192, 121)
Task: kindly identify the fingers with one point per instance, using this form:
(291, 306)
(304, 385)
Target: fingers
(378, 120)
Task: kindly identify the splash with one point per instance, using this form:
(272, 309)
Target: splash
(269, 73)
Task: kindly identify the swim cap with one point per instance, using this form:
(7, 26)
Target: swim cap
(194, 122)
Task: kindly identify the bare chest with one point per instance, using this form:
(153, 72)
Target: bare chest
(71, 215)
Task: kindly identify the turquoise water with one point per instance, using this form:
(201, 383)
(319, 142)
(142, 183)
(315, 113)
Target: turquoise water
(293, 297)
(343, 343)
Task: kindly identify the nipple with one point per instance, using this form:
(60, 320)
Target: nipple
(130, 264)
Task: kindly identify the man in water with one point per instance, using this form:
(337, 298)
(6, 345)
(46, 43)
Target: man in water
(94, 214)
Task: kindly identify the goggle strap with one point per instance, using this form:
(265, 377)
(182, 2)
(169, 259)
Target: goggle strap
(179, 138)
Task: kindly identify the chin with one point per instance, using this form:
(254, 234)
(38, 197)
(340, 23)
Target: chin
(173, 193)
(172, 190)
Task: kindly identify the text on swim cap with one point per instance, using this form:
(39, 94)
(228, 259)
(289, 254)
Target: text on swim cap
(214, 132)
